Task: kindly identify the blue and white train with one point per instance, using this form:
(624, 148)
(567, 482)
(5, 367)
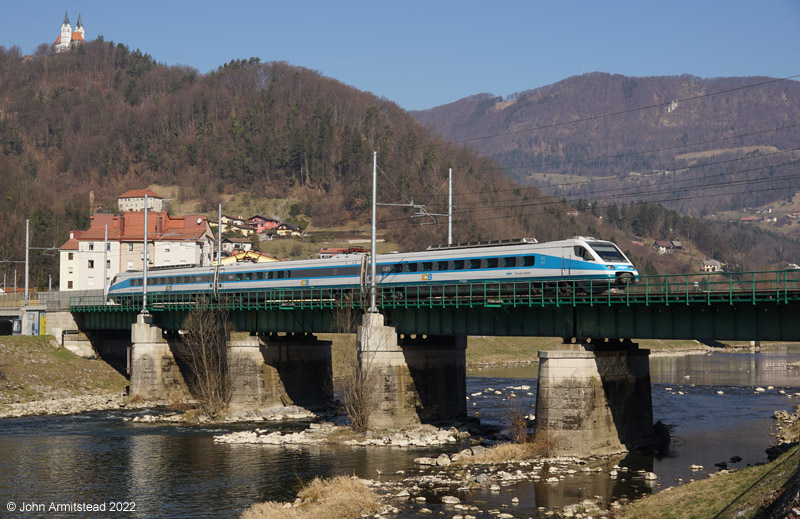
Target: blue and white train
(592, 264)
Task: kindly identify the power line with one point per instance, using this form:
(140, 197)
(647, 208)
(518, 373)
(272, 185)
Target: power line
(460, 214)
(685, 168)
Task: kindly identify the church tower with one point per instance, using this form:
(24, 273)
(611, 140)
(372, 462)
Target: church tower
(63, 41)
(79, 33)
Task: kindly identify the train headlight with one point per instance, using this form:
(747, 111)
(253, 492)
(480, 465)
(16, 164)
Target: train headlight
(611, 267)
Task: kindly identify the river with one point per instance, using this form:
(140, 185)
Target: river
(169, 470)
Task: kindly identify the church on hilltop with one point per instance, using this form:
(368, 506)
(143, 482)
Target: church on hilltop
(69, 36)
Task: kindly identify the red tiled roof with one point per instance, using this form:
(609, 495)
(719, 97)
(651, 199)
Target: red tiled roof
(72, 243)
(58, 40)
(76, 36)
(130, 227)
(139, 193)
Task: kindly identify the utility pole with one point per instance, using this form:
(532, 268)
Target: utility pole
(105, 261)
(144, 260)
(372, 306)
(450, 209)
(27, 253)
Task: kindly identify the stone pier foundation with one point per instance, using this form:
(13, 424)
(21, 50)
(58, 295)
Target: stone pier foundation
(154, 372)
(281, 370)
(595, 398)
(415, 379)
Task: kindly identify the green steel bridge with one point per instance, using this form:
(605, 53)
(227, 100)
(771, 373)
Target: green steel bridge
(718, 306)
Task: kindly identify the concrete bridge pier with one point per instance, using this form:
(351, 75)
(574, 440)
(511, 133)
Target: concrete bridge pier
(416, 379)
(594, 398)
(154, 372)
(281, 370)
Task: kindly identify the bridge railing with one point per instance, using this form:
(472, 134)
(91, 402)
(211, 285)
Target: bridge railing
(695, 289)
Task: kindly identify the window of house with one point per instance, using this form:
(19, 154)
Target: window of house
(130, 247)
(130, 265)
(166, 248)
(69, 284)
(69, 256)
(91, 264)
(108, 264)
(69, 270)
(90, 281)
(91, 246)
(108, 246)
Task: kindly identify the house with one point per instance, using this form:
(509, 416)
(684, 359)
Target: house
(711, 265)
(230, 223)
(134, 201)
(288, 229)
(329, 252)
(234, 245)
(113, 244)
(263, 224)
(247, 256)
(662, 246)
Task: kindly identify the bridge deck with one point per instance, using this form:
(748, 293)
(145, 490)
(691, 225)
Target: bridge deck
(781, 287)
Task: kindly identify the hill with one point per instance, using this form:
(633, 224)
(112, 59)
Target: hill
(697, 145)
(106, 119)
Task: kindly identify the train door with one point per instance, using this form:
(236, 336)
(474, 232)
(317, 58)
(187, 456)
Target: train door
(566, 261)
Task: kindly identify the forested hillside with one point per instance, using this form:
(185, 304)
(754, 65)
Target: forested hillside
(107, 119)
(698, 145)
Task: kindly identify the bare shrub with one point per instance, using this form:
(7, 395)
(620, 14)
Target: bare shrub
(518, 424)
(341, 497)
(204, 350)
(355, 386)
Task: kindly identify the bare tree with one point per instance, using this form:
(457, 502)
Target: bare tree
(355, 385)
(204, 350)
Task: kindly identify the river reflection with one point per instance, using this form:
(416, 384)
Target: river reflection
(177, 471)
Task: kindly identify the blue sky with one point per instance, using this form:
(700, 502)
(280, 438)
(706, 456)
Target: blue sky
(421, 54)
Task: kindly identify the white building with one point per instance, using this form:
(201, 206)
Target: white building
(134, 201)
(185, 240)
(69, 36)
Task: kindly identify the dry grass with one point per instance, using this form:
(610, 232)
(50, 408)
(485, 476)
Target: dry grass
(507, 452)
(744, 493)
(341, 497)
(33, 369)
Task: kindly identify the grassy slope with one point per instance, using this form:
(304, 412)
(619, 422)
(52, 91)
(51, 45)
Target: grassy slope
(745, 493)
(32, 369)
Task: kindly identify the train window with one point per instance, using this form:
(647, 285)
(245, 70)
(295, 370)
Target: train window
(583, 253)
(458, 264)
(335, 272)
(427, 266)
(492, 263)
(474, 263)
(270, 274)
(412, 267)
(280, 274)
(528, 261)
(509, 262)
(288, 273)
(441, 265)
(397, 268)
